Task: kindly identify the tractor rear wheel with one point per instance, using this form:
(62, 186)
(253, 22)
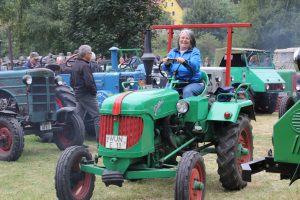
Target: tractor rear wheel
(285, 104)
(70, 181)
(190, 177)
(235, 146)
(72, 133)
(11, 139)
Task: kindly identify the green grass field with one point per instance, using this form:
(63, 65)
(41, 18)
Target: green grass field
(32, 176)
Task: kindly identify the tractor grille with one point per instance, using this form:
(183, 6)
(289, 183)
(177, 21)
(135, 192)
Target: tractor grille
(42, 89)
(129, 126)
(296, 121)
(275, 86)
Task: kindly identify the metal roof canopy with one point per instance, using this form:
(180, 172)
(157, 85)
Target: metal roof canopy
(193, 26)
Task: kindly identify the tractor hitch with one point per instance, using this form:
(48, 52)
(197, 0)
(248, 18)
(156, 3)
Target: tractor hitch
(287, 170)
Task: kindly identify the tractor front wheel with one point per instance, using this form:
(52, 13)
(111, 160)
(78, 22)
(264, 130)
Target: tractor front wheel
(235, 146)
(190, 177)
(285, 104)
(72, 131)
(11, 139)
(70, 181)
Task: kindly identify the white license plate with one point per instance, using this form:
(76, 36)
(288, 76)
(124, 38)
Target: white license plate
(45, 126)
(116, 142)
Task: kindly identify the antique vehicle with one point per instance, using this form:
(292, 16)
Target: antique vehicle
(144, 132)
(255, 67)
(286, 148)
(28, 106)
(290, 73)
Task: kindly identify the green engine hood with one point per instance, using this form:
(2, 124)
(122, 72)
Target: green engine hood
(156, 102)
(267, 75)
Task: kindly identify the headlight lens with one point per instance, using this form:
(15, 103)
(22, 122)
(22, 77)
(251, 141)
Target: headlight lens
(59, 80)
(232, 78)
(297, 87)
(182, 106)
(267, 86)
(27, 79)
(156, 80)
(131, 80)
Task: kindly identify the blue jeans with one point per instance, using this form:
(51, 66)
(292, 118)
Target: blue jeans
(193, 89)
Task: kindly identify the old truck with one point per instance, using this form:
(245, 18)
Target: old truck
(28, 106)
(255, 67)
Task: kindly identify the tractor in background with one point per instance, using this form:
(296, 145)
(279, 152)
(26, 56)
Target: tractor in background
(255, 67)
(286, 147)
(287, 63)
(144, 132)
(28, 106)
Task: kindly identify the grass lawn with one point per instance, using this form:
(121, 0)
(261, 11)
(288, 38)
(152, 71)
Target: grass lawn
(32, 176)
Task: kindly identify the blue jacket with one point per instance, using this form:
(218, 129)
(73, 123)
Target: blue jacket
(193, 59)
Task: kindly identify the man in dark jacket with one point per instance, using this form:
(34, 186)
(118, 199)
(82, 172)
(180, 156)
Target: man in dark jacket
(83, 83)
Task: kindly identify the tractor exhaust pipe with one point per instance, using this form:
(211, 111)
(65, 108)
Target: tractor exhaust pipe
(148, 57)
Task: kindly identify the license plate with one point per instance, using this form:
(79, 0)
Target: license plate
(116, 142)
(45, 126)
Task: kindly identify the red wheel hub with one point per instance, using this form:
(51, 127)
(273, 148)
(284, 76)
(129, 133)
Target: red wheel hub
(246, 142)
(197, 174)
(6, 139)
(81, 185)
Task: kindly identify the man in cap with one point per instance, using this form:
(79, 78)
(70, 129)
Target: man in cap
(33, 61)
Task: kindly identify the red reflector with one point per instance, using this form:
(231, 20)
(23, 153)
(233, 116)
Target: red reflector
(227, 115)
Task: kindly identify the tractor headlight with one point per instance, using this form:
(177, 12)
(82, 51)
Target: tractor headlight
(130, 80)
(58, 80)
(283, 86)
(297, 87)
(232, 78)
(182, 106)
(156, 81)
(27, 79)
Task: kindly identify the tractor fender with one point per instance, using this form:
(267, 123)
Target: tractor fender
(218, 110)
(62, 113)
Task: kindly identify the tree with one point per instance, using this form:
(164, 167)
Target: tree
(207, 12)
(106, 23)
(275, 24)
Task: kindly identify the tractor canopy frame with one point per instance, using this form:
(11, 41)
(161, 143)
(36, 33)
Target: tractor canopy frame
(229, 27)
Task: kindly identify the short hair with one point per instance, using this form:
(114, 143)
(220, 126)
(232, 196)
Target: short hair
(190, 35)
(83, 50)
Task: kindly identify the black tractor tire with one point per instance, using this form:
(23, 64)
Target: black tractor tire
(70, 182)
(229, 159)
(72, 133)
(265, 102)
(66, 98)
(286, 103)
(190, 168)
(12, 136)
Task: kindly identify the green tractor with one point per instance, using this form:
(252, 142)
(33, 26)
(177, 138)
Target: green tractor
(144, 133)
(255, 67)
(28, 105)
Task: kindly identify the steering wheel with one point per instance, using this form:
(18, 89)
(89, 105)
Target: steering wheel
(129, 64)
(53, 67)
(71, 60)
(186, 65)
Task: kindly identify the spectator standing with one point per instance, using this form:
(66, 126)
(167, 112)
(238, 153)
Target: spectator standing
(33, 61)
(83, 83)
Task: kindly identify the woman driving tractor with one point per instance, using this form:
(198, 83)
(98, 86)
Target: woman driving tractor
(185, 62)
